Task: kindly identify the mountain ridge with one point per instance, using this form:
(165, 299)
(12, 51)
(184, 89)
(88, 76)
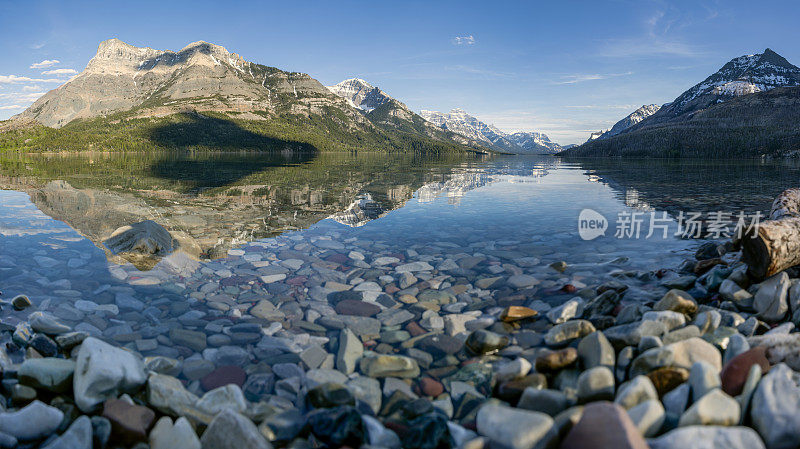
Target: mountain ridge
(460, 122)
(123, 83)
(741, 104)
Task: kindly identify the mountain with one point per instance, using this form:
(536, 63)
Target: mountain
(533, 142)
(749, 107)
(389, 112)
(141, 98)
(459, 122)
(632, 119)
(360, 94)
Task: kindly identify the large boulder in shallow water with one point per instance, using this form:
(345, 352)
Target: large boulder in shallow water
(145, 238)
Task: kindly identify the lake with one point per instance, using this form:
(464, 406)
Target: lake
(270, 240)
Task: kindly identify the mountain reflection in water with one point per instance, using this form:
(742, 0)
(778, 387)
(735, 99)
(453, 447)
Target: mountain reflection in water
(211, 203)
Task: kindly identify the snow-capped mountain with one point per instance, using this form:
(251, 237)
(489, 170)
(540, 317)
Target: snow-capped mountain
(360, 94)
(534, 142)
(748, 107)
(632, 119)
(460, 122)
(596, 135)
(740, 76)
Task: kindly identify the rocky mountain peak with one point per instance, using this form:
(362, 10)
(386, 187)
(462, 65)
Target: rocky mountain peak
(740, 76)
(361, 94)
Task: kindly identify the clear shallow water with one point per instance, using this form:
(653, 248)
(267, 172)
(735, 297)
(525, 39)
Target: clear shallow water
(239, 218)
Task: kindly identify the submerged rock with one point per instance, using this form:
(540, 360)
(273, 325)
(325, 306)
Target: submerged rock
(103, 371)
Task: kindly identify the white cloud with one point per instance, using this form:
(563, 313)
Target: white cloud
(31, 89)
(60, 72)
(464, 40)
(14, 79)
(11, 106)
(579, 78)
(17, 97)
(45, 63)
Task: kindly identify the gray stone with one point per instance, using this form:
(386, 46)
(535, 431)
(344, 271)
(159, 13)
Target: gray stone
(145, 238)
(567, 311)
(714, 409)
(378, 365)
(595, 350)
(227, 397)
(48, 373)
(562, 334)
(231, 430)
(631, 334)
(771, 300)
(368, 390)
(708, 437)
(596, 384)
(550, 402)
(773, 409)
(668, 318)
(180, 435)
(730, 291)
(522, 281)
(313, 356)
(350, 351)
(648, 417)
(78, 436)
(168, 395)
(32, 422)
(378, 435)
(103, 371)
(514, 428)
(635, 391)
(676, 401)
(702, 378)
(749, 388)
(47, 324)
(682, 354)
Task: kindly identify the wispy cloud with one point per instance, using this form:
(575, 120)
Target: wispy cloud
(60, 72)
(580, 78)
(604, 106)
(17, 97)
(660, 38)
(14, 79)
(478, 71)
(44, 64)
(464, 40)
(10, 106)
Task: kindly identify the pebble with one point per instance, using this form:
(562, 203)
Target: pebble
(514, 428)
(103, 371)
(231, 430)
(32, 422)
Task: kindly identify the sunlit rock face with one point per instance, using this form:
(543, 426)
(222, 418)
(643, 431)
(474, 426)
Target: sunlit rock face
(201, 76)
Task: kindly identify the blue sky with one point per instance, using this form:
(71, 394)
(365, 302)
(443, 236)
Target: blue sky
(562, 67)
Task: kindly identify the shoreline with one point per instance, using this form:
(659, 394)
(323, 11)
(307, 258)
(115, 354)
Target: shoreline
(430, 367)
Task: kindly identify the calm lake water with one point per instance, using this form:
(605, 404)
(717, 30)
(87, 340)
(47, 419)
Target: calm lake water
(254, 226)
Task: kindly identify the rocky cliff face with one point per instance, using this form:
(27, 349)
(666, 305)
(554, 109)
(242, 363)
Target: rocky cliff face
(201, 76)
